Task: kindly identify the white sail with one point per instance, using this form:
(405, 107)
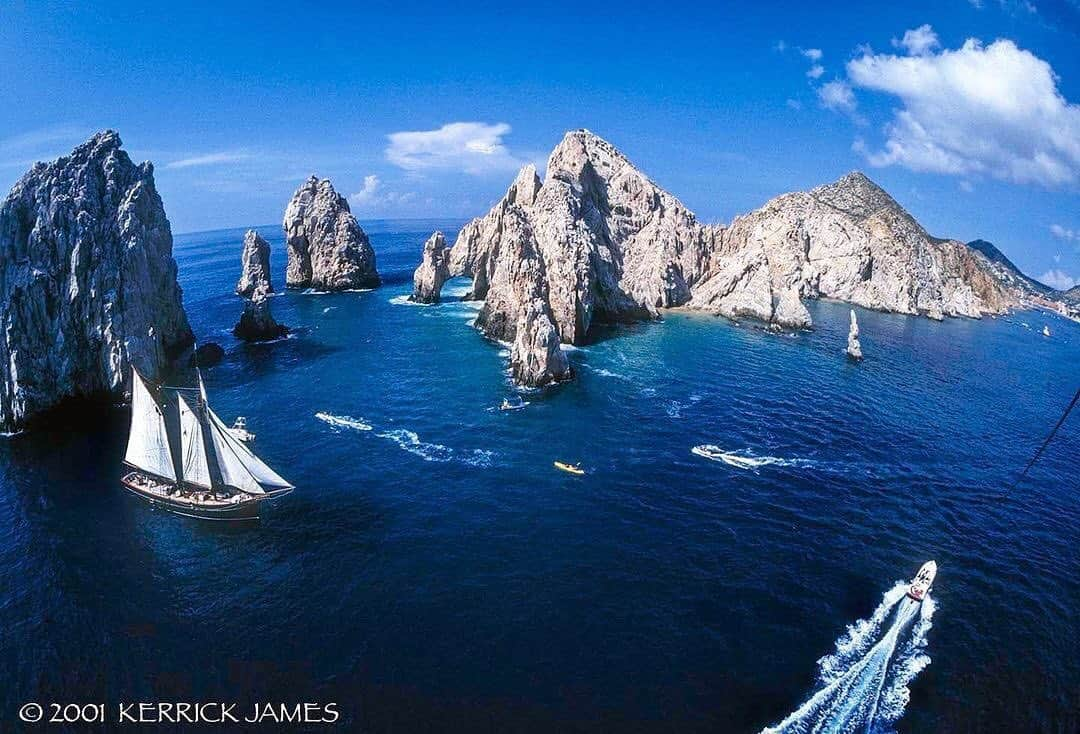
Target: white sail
(148, 442)
(196, 468)
(263, 474)
(233, 471)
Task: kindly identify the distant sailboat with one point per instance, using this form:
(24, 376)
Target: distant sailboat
(183, 458)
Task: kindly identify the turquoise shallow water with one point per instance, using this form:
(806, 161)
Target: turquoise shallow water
(433, 572)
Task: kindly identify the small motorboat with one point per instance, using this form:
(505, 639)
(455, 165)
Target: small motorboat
(570, 468)
(1046, 330)
(507, 405)
(924, 579)
(239, 430)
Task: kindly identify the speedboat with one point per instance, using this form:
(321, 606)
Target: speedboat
(507, 405)
(924, 579)
(240, 432)
(570, 468)
(1046, 330)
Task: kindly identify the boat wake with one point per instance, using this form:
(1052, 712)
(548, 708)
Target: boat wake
(409, 441)
(343, 421)
(743, 459)
(863, 686)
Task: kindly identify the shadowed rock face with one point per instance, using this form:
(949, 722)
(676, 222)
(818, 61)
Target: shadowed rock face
(433, 272)
(255, 265)
(327, 249)
(87, 281)
(256, 322)
(598, 241)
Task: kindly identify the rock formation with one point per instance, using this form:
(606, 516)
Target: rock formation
(207, 354)
(257, 324)
(434, 270)
(327, 249)
(536, 357)
(854, 348)
(87, 281)
(255, 265)
(597, 241)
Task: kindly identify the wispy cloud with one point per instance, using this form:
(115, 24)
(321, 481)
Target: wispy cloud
(1063, 233)
(373, 197)
(210, 159)
(472, 147)
(1058, 279)
(837, 96)
(45, 143)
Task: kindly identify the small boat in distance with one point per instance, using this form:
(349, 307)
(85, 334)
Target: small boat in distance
(239, 430)
(1046, 330)
(571, 468)
(924, 579)
(181, 457)
(507, 405)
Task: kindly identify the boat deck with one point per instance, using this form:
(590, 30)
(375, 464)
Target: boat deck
(173, 493)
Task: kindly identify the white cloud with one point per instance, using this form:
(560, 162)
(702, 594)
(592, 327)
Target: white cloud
(368, 192)
(1062, 233)
(209, 159)
(966, 186)
(472, 147)
(794, 104)
(978, 110)
(1058, 280)
(780, 46)
(837, 95)
(815, 71)
(814, 54)
(918, 41)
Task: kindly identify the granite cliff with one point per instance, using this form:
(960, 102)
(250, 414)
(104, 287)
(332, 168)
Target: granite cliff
(597, 241)
(87, 281)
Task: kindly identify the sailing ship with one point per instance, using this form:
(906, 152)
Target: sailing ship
(180, 456)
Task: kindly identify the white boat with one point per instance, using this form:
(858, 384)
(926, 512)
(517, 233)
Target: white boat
(239, 430)
(1046, 330)
(924, 579)
(507, 405)
(181, 457)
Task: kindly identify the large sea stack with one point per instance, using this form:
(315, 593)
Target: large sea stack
(434, 270)
(254, 265)
(327, 249)
(597, 241)
(87, 281)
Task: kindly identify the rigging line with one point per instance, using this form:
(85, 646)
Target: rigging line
(1049, 438)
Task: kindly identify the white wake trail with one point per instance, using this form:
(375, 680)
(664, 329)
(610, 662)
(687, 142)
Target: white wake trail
(864, 684)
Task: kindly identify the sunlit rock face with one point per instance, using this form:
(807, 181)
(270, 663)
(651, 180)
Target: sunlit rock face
(597, 241)
(327, 249)
(87, 281)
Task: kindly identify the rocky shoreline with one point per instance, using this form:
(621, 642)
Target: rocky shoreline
(88, 285)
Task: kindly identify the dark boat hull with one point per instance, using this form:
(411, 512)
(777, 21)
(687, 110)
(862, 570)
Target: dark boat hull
(240, 511)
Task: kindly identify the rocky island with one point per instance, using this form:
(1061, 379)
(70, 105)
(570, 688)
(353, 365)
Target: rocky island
(327, 249)
(87, 281)
(598, 241)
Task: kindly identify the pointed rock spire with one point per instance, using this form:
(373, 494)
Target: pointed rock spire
(854, 348)
(434, 270)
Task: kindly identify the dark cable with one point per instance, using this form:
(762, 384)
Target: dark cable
(1049, 438)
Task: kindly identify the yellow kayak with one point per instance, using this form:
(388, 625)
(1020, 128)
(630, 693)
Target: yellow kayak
(571, 468)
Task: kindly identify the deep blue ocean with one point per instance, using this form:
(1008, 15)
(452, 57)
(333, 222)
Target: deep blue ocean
(433, 571)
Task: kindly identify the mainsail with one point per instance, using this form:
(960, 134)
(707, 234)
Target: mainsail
(264, 475)
(196, 468)
(148, 443)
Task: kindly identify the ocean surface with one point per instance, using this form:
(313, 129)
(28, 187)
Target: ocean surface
(434, 572)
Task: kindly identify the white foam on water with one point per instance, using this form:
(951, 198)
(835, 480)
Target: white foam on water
(404, 300)
(674, 409)
(864, 684)
(744, 459)
(313, 292)
(409, 441)
(343, 421)
(328, 309)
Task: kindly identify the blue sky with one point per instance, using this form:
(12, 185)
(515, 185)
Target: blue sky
(426, 111)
